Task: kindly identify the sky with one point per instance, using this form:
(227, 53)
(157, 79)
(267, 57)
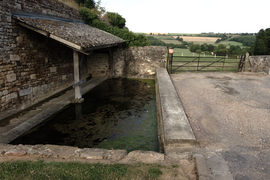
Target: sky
(192, 16)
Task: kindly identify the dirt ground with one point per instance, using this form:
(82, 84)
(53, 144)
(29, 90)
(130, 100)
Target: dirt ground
(229, 113)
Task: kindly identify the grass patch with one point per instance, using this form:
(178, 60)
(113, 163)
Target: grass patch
(77, 170)
(154, 172)
(71, 3)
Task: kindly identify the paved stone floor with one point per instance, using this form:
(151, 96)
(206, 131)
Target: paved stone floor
(229, 114)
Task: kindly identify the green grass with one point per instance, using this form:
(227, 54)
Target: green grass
(77, 170)
(172, 41)
(228, 43)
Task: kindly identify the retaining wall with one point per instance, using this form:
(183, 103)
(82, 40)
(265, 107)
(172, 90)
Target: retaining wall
(134, 62)
(258, 64)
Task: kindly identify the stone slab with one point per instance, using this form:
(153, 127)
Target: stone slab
(115, 155)
(219, 168)
(177, 129)
(90, 153)
(143, 156)
(201, 167)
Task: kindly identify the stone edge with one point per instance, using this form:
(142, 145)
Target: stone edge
(160, 111)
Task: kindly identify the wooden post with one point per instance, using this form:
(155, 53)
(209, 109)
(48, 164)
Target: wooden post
(78, 93)
(170, 60)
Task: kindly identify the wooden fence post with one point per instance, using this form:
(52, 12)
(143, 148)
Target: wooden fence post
(170, 60)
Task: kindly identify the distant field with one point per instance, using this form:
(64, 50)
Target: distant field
(167, 39)
(186, 52)
(198, 39)
(172, 41)
(229, 43)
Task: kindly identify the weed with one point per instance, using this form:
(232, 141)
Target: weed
(154, 172)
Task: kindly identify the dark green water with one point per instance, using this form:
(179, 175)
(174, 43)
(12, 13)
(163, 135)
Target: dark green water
(117, 114)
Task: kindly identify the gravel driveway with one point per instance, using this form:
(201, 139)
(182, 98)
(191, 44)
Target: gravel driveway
(230, 113)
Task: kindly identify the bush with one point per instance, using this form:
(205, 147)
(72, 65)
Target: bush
(131, 38)
(87, 15)
(87, 3)
(116, 20)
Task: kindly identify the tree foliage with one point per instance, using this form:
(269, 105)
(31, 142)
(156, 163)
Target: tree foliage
(262, 44)
(87, 3)
(156, 42)
(203, 47)
(116, 20)
(131, 38)
(88, 15)
(246, 40)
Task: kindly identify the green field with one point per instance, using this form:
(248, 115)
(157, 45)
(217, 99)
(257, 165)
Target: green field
(167, 39)
(229, 43)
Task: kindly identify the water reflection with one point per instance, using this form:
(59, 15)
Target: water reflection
(115, 112)
(78, 111)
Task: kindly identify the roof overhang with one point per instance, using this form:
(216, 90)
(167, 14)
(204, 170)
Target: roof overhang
(74, 34)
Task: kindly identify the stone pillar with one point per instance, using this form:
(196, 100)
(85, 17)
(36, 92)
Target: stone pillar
(246, 62)
(78, 93)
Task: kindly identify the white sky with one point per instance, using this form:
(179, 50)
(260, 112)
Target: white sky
(192, 16)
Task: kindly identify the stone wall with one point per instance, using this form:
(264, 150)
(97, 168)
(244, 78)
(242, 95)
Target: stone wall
(135, 62)
(139, 62)
(32, 67)
(98, 64)
(258, 64)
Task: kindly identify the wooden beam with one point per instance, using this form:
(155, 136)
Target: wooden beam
(34, 29)
(77, 47)
(78, 92)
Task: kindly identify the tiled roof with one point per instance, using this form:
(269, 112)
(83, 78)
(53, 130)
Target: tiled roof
(82, 36)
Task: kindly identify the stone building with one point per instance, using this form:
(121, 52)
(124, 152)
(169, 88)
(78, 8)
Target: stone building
(44, 42)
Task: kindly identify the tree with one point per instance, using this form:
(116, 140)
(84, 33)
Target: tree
(218, 41)
(221, 50)
(116, 20)
(179, 39)
(194, 47)
(262, 43)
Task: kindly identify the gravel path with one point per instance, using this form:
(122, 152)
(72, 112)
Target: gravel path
(229, 113)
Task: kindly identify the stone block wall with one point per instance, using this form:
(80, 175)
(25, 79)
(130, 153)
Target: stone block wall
(139, 62)
(135, 62)
(98, 64)
(258, 64)
(32, 67)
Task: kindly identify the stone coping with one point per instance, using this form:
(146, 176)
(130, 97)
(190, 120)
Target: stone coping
(176, 127)
(75, 153)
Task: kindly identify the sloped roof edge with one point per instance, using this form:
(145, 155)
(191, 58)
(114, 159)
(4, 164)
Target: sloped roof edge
(74, 34)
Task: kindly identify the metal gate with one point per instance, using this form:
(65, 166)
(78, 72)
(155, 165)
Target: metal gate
(206, 64)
